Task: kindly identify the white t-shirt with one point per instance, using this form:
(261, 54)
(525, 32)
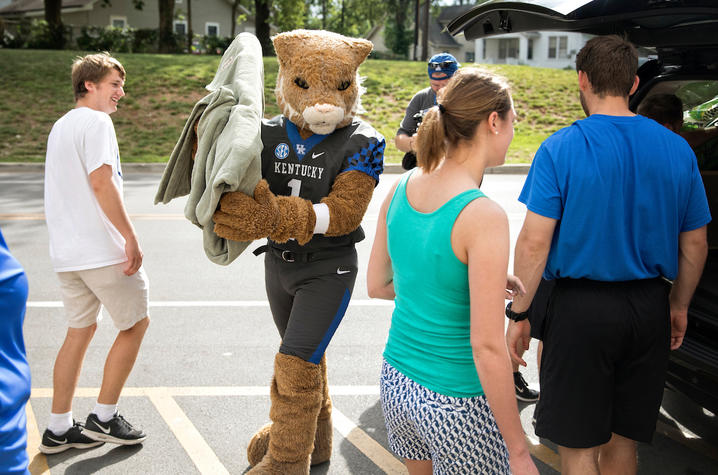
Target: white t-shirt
(81, 235)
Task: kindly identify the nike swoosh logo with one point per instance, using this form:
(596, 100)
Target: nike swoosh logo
(106, 431)
(315, 155)
(339, 271)
(64, 441)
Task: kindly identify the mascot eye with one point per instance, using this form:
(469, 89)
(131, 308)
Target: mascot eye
(344, 85)
(301, 83)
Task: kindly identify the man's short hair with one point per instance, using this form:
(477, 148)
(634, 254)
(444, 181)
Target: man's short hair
(610, 62)
(663, 108)
(93, 68)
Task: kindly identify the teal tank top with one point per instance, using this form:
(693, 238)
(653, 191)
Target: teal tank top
(429, 339)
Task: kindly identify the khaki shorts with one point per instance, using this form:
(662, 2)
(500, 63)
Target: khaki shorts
(84, 292)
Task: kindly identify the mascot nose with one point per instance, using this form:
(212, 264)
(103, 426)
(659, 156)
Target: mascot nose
(324, 108)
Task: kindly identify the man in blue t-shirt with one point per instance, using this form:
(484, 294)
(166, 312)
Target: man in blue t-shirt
(616, 209)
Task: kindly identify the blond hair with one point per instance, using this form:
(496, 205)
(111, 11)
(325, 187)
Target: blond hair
(93, 68)
(469, 97)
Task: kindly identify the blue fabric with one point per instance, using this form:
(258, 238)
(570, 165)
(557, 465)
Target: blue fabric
(14, 369)
(369, 160)
(450, 68)
(299, 145)
(430, 335)
(622, 189)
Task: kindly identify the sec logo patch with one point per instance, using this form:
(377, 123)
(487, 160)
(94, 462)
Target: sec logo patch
(281, 151)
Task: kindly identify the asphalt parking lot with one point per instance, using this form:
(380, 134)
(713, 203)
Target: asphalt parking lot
(200, 386)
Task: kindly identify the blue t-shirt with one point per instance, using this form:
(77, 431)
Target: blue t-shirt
(14, 370)
(622, 189)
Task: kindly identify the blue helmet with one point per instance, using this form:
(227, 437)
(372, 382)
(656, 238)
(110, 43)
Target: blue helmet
(442, 63)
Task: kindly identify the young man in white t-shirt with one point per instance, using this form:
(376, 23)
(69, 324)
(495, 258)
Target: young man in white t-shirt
(95, 252)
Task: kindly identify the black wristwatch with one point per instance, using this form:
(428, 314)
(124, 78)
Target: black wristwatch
(517, 317)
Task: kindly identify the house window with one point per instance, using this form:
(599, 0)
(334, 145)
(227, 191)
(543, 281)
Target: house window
(557, 46)
(508, 48)
(118, 22)
(180, 27)
(469, 57)
(530, 50)
(211, 29)
(483, 48)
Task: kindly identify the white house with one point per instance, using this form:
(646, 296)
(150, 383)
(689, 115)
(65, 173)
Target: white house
(546, 49)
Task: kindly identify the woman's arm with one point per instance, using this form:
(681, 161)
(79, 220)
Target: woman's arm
(380, 275)
(482, 232)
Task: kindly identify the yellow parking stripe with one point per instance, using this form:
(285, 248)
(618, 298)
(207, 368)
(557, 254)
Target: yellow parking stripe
(207, 461)
(368, 446)
(194, 444)
(38, 461)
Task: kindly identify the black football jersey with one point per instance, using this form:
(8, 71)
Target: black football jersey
(307, 168)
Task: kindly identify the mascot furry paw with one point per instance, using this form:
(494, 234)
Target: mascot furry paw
(320, 165)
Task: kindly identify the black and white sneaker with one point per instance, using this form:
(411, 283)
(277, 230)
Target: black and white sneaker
(117, 430)
(523, 392)
(74, 438)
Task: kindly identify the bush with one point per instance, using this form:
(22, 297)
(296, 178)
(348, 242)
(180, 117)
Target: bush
(215, 44)
(145, 40)
(33, 34)
(97, 38)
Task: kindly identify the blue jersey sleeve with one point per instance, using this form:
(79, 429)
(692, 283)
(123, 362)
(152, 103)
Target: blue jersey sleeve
(541, 193)
(365, 152)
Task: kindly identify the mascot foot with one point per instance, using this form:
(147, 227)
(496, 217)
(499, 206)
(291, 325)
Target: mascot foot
(259, 444)
(269, 466)
(296, 395)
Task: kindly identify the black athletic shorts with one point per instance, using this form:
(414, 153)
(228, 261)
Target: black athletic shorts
(539, 307)
(604, 361)
(308, 297)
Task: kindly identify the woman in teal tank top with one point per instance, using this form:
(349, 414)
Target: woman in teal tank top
(446, 375)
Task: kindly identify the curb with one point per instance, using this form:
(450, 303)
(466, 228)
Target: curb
(132, 168)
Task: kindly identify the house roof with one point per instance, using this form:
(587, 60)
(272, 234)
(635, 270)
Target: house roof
(449, 13)
(437, 36)
(20, 7)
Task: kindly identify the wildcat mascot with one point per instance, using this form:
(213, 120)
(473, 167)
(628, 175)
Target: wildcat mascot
(320, 165)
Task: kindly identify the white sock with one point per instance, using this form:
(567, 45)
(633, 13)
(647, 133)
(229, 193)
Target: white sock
(60, 423)
(104, 412)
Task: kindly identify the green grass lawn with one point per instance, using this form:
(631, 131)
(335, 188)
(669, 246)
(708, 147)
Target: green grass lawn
(35, 91)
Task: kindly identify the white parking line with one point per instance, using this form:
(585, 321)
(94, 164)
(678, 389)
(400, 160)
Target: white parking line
(216, 303)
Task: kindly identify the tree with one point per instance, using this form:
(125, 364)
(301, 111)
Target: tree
(190, 33)
(166, 38)
(261, 26)
(398, 37)
(53, 17)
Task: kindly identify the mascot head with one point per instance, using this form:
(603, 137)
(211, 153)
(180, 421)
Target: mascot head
(318, 84)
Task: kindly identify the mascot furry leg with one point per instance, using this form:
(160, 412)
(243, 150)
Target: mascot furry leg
(259, 444)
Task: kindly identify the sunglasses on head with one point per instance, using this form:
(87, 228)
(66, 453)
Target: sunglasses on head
(443, 64)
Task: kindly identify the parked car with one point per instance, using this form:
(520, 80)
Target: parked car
(683, 45)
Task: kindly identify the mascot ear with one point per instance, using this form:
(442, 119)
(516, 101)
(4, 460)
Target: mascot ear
(284, 45)
(360, 48)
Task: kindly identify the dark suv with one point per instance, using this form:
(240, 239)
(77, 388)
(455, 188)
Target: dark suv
(681, 45)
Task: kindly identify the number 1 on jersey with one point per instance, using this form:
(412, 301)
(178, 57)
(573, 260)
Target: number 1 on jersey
(295, 185)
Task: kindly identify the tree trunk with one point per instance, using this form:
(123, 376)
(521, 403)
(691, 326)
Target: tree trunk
(324, 14)
(235, 5)
(53, 17)
(261, 26)
(416, 29)
(190, 33)
(166, 41)
(425, 39)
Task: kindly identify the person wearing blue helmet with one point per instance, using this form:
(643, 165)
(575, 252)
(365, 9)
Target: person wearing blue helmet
(440, 68)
